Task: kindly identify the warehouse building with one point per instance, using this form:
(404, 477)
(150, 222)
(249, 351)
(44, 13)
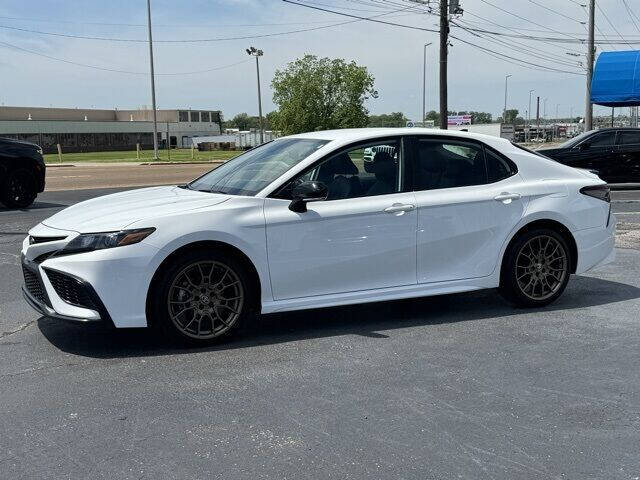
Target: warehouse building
(90, 130)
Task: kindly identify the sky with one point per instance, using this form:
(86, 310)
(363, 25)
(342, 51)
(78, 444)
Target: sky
(394, 55)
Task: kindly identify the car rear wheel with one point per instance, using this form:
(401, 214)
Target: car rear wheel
(536, 268)
(19, 188)
(203, 297)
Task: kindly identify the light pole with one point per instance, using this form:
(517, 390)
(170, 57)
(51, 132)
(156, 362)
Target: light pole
(424, 82)
(504, 113)
(258, 53)
(529, 115)
(153, 85)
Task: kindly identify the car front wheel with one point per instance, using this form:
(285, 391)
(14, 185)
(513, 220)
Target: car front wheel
(536, 268)
(202, 298)
(19, 189)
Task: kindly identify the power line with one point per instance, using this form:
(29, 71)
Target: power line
(556, 12)
(612, 25)
(487, 50)
(115, 70)
(632, 15)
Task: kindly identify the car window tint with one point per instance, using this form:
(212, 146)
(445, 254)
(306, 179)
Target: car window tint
(447, 164)
(630, 137)
(603, 140)
(363, 171)
(497, 167)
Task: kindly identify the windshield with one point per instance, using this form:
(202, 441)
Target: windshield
(575, 140)
(252, 171)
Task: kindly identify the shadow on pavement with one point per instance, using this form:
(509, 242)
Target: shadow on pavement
(35, 206)
(366, 319)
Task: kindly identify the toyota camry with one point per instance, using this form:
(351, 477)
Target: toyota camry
(322, 219)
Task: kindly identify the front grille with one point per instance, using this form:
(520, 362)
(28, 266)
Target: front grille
(34, 240)
(71, 290)
(34, 286)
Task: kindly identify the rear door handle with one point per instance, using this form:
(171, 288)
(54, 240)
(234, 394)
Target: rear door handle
(506, 197)
(399, 208)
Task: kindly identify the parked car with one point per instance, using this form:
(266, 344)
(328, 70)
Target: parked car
(22, 172)
(299, 223)
(614, 153)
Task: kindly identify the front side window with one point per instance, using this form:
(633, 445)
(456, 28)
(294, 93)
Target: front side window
(603, 140)
(448, 164)
(362, 171)
(254, 170)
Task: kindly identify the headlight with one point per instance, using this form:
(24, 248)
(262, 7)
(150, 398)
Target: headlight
(88, 242)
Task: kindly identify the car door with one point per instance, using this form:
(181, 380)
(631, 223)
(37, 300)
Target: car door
(467, 207)
(597, 153)
(627, 164)
(362, 237)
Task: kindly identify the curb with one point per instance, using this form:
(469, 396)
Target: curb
(58, 165)
(209, 162)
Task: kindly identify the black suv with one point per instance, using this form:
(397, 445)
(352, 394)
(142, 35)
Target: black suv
(22, 172)
(614, 153)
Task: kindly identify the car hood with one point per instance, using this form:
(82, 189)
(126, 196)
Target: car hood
(117, 211)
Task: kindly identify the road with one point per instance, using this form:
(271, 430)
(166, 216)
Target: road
(109, 175)
(460, 386)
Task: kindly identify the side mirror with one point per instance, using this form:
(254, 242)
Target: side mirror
(307, 192)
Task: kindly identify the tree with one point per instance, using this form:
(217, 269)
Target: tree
(393, 119)
(433, 115)
(243, 121)
(314, 93)
(510, 117)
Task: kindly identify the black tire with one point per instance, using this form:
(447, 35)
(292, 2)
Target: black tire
(19, 188)
(173, 293)
(534, 280)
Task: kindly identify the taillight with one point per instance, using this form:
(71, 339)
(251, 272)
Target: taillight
(601, 192)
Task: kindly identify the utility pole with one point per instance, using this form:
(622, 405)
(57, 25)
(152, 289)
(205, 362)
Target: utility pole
(153, 85)
(444, 41)
(529, 115)
(424, 82)
(588, 112)
(504, 112)
(538, 117)
(254, 52)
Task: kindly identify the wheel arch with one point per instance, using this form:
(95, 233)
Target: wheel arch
(205, 244)
(551, 224)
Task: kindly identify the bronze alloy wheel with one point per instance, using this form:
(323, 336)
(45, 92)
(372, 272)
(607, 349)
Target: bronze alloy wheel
(541, 267)
(205, 299)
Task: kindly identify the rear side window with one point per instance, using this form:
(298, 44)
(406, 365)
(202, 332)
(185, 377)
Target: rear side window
(498, 168)
(448, 164)
(629, 137)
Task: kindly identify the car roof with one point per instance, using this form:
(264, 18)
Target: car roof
(354, 134)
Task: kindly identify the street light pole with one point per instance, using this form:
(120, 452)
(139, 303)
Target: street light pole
(153, 85)
(424, 82)
(504, 113)
(254, 52)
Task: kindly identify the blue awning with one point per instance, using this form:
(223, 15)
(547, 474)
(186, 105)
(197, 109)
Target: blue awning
(616, 79)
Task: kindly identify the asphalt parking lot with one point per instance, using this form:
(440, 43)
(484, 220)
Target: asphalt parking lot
(461, 386)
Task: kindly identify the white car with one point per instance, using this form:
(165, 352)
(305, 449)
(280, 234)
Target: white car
(299, 223)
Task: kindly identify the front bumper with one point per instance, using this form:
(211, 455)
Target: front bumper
(108, 285)
(41, 296)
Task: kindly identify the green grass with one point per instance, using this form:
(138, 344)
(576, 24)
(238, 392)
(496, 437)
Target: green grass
(178, 155)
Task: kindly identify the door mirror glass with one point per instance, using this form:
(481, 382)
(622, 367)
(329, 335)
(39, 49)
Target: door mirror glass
(311, 191)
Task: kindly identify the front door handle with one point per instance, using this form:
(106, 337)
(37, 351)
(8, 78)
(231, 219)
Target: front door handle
(399, 208)
(506, 197)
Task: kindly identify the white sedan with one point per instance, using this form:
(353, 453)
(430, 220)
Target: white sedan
(300, 223)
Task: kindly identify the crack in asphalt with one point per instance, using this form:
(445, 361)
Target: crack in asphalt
(16, 330)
